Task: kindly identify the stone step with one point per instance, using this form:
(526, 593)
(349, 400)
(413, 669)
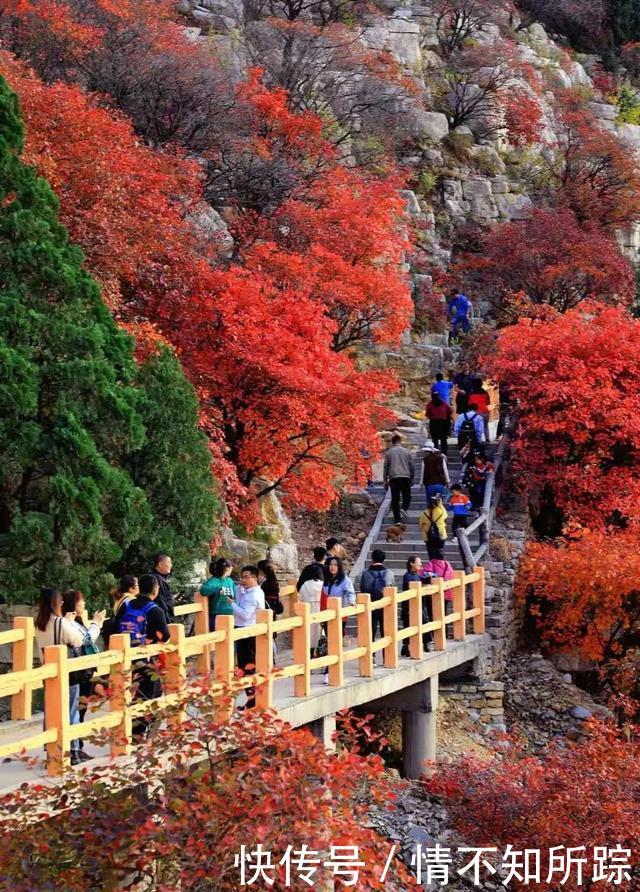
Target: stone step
(412, 544)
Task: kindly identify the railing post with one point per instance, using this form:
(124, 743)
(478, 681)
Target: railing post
(176, 672)
(478, 601)
(293, 599)
(224, 666)
(365, 633)
(390, 613)
(264, 660)
(201, 627)
(459, 606)
(334, 642)
(22, 659)
(120, 683)
(56, 709)
(415, 619)
(437, 602)
(301, 650)
(465, 549)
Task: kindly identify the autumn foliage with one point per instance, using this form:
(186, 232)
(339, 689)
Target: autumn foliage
(177, 813)
(266, 338)
(552, 259)
(584, 591)
(594, 173)
(585, 794)
(574, 379)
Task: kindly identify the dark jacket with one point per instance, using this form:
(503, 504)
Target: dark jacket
(367, 581)
(307, 573)
(157, 628)
(272, 596)
(112, 623)
(165, 596)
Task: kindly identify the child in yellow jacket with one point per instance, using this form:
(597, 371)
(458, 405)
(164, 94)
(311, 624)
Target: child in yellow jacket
(434, 514)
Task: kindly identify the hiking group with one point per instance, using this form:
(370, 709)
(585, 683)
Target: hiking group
(143, 608)
(466, 395)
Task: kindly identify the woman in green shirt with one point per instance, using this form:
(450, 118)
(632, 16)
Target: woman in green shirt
(219, 588)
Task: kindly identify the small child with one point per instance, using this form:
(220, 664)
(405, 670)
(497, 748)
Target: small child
(478, 474)
(460, 504)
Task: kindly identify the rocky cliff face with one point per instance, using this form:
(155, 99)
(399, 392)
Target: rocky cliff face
(462, 176)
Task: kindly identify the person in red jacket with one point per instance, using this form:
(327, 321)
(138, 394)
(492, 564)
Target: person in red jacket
(439, 415)
(480, 400)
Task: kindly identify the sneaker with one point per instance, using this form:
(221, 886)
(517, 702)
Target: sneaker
(404, 514)
(325, 679)
(405, 651)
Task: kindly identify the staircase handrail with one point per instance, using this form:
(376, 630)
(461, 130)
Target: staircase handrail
(492, 493)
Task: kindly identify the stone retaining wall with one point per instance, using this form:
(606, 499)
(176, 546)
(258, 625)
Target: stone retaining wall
(483, 700)
(504, 616)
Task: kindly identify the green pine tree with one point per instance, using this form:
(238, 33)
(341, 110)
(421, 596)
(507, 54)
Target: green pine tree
(626, 21)
(173, 468)
(71, 413)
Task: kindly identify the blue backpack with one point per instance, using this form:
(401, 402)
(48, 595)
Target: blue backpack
(134, 621)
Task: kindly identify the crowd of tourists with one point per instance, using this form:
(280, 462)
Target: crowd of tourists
(144, 607)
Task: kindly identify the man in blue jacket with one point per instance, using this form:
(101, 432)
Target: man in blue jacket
(459, 311)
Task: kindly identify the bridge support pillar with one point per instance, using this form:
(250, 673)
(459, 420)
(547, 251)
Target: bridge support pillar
(323, 729)
(419, 739)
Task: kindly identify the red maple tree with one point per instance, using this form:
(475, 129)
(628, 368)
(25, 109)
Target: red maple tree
(259, 341)
(584, 591)
(552, 259)
(573, 378)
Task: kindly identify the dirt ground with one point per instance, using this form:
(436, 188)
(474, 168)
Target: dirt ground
(349, 521)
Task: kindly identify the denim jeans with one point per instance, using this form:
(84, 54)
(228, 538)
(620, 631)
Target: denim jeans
(74, 712)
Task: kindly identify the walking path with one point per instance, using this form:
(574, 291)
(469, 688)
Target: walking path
(413, 543)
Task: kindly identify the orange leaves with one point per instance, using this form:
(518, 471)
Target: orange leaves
(576, 795)
(584, 589)
(122, 202)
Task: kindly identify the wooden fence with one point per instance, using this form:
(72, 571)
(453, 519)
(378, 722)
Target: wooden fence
(211, 654)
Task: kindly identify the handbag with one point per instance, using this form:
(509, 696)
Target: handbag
(322, 647)
(80, 676)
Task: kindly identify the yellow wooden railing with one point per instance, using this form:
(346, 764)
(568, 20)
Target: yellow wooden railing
(211, 653)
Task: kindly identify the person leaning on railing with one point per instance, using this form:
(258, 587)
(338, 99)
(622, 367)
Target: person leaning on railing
(53, 628)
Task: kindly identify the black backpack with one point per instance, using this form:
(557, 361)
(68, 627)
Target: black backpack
(434, 539)
(467, 432)
(379, 584)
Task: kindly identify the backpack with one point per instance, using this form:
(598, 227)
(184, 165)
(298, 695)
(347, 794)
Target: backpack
(134, 621)
(379, 584)
(467, 432)
(434, 539)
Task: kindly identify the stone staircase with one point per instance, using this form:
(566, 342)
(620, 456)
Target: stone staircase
(398, 552)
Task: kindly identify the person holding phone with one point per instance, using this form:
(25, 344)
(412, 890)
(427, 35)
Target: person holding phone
(53, 628)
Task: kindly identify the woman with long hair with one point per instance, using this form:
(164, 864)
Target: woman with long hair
(336, 585)
(270, 586)
(54, 627)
